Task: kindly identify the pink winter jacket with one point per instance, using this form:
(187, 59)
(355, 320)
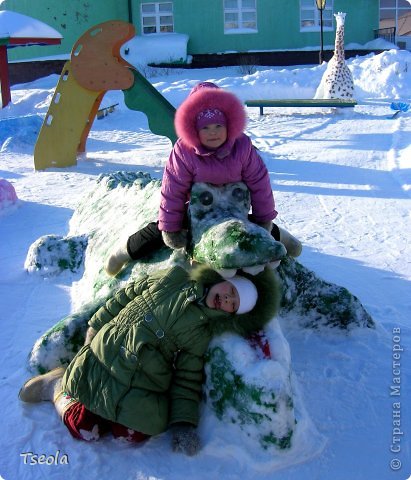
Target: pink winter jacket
(236, 161)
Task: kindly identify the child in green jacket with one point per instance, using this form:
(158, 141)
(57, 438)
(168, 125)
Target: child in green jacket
(140, 371)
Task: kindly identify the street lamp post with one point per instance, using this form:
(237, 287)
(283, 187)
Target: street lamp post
(321, 6)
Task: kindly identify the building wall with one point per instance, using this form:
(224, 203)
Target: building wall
(278, 23)
(361, 20)
(70, 18)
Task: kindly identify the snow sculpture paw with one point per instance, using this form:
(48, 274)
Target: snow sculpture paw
(53, 254)
(262, 407)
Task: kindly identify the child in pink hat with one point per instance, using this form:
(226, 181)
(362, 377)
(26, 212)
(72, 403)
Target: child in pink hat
(213, 148)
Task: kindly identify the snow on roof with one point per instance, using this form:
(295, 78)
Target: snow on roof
(156, 48)
(16, 25)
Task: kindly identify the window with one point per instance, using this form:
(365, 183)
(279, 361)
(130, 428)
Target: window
(395, 14)
(240, 16)
(310, 16)
(157, 17)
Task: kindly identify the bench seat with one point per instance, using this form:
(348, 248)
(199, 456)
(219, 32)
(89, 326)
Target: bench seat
(303, 102)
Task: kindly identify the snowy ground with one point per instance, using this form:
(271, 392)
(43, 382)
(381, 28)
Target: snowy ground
(342, 185)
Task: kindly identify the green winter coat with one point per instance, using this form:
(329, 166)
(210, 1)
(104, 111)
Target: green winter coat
(144, 367)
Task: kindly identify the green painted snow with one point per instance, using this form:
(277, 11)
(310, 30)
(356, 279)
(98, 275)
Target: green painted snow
(236, 401)
(222, 235)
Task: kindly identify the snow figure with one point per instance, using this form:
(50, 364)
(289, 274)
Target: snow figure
(249, 382)
(8, 194)
(337, 81)
(306, 299)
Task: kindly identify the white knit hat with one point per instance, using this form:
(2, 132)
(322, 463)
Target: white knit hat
(247, 292)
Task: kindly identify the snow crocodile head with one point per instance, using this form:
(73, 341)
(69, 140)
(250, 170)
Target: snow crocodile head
(222, 235)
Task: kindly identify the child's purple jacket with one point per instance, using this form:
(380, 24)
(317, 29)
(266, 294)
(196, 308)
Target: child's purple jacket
(236, 161)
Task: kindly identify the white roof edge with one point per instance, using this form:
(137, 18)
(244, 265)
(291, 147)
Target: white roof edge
(17, 25)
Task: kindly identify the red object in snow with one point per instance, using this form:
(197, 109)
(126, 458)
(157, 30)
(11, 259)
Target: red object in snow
(259, 341)
(17, 30)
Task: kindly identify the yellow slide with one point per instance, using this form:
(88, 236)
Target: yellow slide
(72, 110)
(95, 67)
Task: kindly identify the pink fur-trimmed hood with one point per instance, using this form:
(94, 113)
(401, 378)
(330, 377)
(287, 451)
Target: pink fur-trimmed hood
(209, 98)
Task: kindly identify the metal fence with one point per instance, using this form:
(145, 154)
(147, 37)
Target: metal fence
(385, 33)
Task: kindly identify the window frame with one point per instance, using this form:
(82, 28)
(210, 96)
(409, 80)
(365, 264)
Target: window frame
(329, 7)
(397, 9)
(157, 14)
(240, 10)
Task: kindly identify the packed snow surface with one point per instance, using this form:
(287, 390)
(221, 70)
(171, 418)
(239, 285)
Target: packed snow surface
(341, 181)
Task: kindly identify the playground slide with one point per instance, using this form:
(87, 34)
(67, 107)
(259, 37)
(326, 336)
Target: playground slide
(71, 112)
(142, 96)
(96, 66)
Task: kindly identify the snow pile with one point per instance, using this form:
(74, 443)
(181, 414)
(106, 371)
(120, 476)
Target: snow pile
(156, 48)
(376, 44)
(17, 25)
(384, 76)
(17, 133)
(387, 75)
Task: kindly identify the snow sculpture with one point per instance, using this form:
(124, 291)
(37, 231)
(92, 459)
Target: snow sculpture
(337, 81)
(260, 407)
(8, 194)
(106, 209)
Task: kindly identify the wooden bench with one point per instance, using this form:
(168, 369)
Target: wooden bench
(105, 111)
(304, 102)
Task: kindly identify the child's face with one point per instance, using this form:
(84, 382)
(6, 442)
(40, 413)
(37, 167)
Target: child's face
(213, 135)
(223, 296)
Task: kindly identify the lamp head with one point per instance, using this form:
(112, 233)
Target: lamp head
(320, 4)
